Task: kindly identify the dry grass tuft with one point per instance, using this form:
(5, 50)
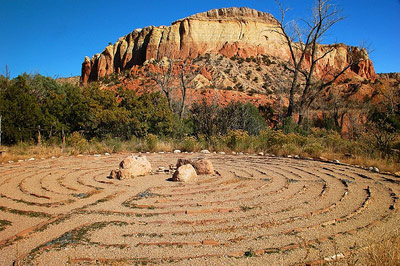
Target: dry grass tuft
(385, 252)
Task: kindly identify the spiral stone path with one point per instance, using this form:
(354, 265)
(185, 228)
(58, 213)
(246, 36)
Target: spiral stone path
(254, 210)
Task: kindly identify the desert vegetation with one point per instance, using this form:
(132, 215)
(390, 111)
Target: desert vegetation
(45, 118)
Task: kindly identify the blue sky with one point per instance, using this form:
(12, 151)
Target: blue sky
(52, 37)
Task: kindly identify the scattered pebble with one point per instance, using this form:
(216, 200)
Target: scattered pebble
(31, 159)
(297, 156)
(20, 161)
(240, 153)
(233, 152)
(97, 155)
(177, 151)
(289, 156)
(336, 161)
(205, 151)
(10, 161)
(106, 154)
(375, 169)
(261, 153)
(161, 152)
(221, 152)
(334, 257)
(53, 157)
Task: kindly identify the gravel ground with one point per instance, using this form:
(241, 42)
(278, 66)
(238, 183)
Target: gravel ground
(254, 210)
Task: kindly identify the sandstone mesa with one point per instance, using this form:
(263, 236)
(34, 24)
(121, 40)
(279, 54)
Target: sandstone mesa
(243, 32)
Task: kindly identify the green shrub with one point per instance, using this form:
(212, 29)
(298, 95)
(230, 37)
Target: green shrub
(151, 142)
(77, 141)
(189, 144)
(238, 140)
(313, 149)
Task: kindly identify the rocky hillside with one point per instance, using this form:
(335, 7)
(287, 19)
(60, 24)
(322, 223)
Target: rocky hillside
(229, 32)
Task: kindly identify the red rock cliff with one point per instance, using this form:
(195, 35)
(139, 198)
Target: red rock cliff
(243, 32)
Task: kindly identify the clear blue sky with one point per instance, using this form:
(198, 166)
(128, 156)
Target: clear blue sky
(51, 37)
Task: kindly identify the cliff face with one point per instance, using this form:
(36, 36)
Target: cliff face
(228, 31)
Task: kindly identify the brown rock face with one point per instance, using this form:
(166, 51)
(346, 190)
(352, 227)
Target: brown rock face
(243, 32)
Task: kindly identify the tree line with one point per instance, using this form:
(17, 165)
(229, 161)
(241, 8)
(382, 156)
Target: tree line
(34, 105)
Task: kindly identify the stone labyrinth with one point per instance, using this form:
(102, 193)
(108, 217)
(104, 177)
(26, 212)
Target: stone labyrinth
(255, 210)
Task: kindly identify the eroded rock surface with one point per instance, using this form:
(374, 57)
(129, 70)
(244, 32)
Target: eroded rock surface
(242, 32)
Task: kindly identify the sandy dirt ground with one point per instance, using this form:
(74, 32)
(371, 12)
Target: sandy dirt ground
(255, 210)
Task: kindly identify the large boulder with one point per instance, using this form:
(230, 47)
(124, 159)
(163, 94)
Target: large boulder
(184, 173)
(202, 166)
(131, 167)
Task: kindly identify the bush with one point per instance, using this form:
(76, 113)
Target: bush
(238, 140)
(189, 144)
(313, 149)
(78, 142)
(151, 142)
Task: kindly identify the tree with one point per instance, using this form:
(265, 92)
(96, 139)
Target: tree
(21, 114)
(174, 78)
(164, 79)
(306, 53)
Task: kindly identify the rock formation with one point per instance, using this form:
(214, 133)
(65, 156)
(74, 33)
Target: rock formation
(202, 166)
(184, 173)
(131, 167)
(243, 32)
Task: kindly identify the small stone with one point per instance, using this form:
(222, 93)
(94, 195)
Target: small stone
(97, 155)
(205, 151)
(240, 153)
(106, 154)
(53, 157)
(20, 161)
(177, 151)
(31, 159)
(289, 156)
(261, 153)
(370, 168)
(297, 157)
(375, 169)
(397, 173)
(221, 152)
(334, 257)
(161, 152)
(210, 243)
(336, 161)
(233, 153)
(10, 161)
